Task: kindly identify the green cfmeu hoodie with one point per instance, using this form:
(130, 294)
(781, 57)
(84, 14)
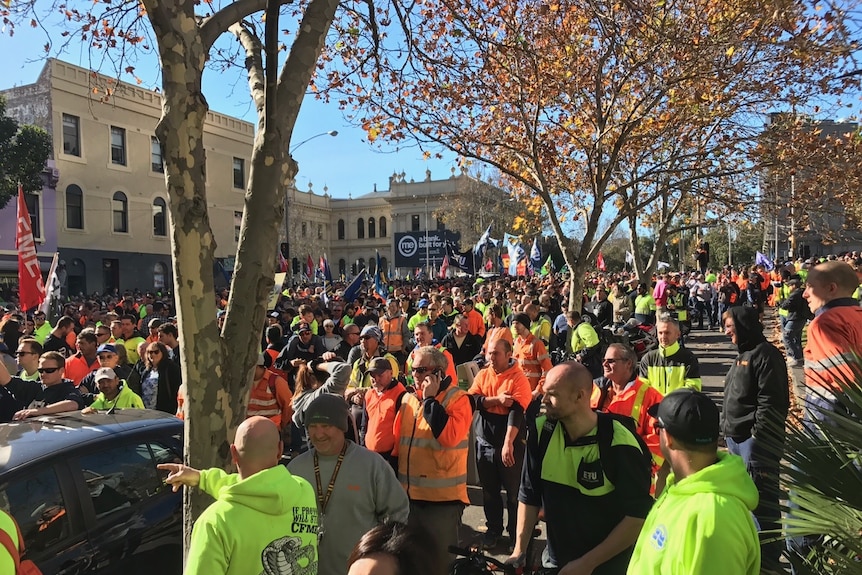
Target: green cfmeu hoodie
(264, 524)
(702, 525)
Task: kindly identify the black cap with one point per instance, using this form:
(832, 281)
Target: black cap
(688, 415)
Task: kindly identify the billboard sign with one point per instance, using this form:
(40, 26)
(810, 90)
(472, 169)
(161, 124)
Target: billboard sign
(411, 248)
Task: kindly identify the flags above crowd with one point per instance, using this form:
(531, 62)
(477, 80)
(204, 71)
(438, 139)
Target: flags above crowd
(535, 256)
(31, 290)
(762, 260)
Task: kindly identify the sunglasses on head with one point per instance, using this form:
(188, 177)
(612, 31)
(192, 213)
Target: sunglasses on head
(48, 369)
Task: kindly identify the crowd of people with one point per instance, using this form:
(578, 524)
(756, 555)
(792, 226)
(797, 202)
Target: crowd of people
(379, 404)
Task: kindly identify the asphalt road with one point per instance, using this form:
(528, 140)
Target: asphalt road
(715, 353)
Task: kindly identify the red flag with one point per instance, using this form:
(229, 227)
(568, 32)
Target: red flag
(309, 267)
(31, 290)
(489, 265)
(444, 266)
(282, 263)
(600, 262)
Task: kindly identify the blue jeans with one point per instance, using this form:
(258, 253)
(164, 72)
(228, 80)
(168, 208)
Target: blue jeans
(768, 513)
(791, 334)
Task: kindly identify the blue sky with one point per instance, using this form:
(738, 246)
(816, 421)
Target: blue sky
(345, 164)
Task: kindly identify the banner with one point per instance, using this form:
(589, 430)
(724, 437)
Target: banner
(352, 290)
(761, 260)
(630, 258)
(600, 262)
(548, 267)
(412, 249)
(535, 256)
(483, 242)
(52, 289)
(444, 267)
(31, 290)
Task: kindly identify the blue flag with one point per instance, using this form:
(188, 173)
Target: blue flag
(516, 250)
(380, 280)
(483, 242)
(761, 260)
(536, 256)
(351, 291)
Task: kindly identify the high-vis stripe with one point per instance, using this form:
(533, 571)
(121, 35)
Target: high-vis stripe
(433, 482)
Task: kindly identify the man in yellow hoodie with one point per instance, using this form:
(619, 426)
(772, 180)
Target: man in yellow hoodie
(702, 522)
(264, 519)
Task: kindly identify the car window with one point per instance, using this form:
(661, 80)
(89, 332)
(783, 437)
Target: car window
(37, 505)
(120, 477)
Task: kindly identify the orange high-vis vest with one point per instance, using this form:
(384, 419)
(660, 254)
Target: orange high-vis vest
(393, 337)
(269, 399)
(380, 408)
(532, 355)
(833, 337)
(634, 402)
(429, 468)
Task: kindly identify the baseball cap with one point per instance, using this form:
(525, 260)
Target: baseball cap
(688, 415)
(422, 303)
(106, 348)
(328, 409)
(104, 373)
(274, 314)
(371, 331)
(379, 365)
(302, 326)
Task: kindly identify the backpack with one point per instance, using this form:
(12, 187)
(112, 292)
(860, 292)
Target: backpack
(22, 566)
(604, 438)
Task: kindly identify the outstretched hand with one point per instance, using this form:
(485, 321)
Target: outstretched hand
(179, 475)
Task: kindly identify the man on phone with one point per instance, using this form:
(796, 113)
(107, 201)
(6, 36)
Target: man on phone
(432, 427)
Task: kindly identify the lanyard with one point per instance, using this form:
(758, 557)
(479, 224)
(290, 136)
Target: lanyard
(323, 500)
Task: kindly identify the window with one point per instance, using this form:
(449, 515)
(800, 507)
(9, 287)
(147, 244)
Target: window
(160, 217)
(237, 225)
(360, 265)
(37, 505)
(360, 228)
(118, 146)
(340, 229)
(304, 229)
(414, 223)
(294, 264)
(74, 208)
(383, 266)
(120, 478)
(342, 267)
(34, 207)
(71, 135)
(372, 229)
(320, 231)
(157, 162)
(121, 212)
(382, 227)
(239, 173)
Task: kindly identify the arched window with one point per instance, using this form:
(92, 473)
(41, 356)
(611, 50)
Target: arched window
(342, 266)
(382, 227)
(372, 261)
(160, 217)
(361, 265)
(74, 208)
(340, 229)
(372, 230)
(160, 275)
(121, 212)
(360, 228)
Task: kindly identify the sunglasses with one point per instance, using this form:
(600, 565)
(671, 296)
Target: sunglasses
(610, 360)
(47, 369)
(154, 352)
(421, 370)
(103, 333)
(20, 353)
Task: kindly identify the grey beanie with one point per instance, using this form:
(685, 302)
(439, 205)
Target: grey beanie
(328, 409)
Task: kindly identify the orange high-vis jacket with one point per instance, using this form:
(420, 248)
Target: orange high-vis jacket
(434, 468)
(534, 359)
(77, 369)
(634, 402)
(381, 411)
(475, 323)
(495, 333)
(276, 406)
(833, 336)
(512, 382)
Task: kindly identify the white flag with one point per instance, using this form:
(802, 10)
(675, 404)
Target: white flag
(630, 258)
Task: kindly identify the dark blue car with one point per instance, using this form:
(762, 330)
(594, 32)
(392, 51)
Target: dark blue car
(87, 495)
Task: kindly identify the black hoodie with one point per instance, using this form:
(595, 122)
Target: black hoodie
(756, 388)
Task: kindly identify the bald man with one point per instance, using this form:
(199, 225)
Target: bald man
(835, 333)
(262, 516)
(589, 473)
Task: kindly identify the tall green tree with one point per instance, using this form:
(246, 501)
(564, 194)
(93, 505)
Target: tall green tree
(23, 153)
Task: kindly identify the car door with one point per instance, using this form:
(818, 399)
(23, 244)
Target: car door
(43, 501)
(134, 519)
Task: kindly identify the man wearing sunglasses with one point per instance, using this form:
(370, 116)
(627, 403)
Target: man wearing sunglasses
(53, 394)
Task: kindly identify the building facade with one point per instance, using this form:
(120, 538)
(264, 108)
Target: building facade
(108, 211)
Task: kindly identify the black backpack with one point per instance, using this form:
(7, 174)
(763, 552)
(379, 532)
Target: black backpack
(604, 438)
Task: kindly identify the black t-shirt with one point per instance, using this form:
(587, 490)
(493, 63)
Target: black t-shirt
(33, 393)
(54, 343)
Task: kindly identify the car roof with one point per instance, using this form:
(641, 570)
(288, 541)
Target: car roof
(23, 442)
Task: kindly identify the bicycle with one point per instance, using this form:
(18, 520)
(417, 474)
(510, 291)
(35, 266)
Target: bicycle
(473, 562)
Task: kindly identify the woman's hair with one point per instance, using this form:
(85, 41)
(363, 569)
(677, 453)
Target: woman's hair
(122, 354)
(305, 380)
(407, 544)
(163, 357)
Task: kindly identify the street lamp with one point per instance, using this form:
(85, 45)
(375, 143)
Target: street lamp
(332, 133)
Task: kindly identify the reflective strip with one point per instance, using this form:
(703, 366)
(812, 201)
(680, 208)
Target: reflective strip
(432, 482)
(541, 357)
(831, 362)
(529, 362)
(639, 402)
(431, 444)
(262, 402)
(533, 374)
(263, 412)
